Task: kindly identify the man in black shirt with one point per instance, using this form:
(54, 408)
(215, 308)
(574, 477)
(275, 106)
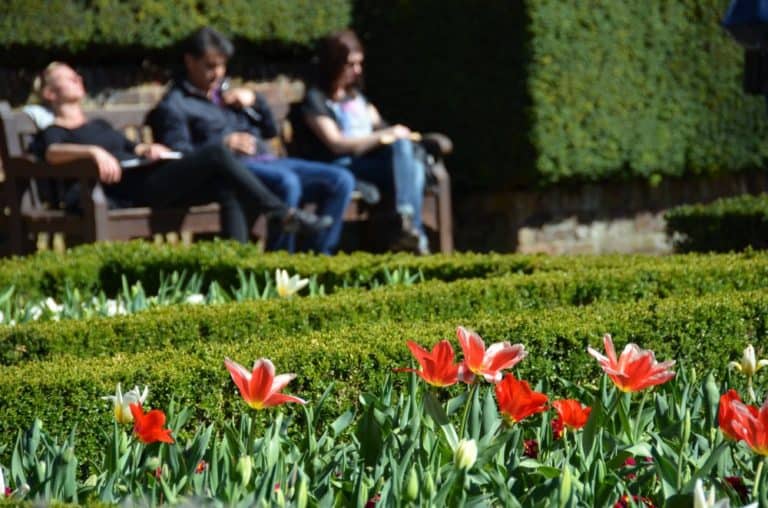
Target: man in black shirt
(206, 175)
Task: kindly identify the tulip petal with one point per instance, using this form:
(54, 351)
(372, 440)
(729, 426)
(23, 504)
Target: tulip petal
(473, 347)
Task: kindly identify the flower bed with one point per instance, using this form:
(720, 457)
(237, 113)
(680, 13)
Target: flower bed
(357, 355)
(701, 310)
(650, 436)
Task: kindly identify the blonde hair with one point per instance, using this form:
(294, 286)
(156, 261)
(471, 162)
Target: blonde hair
(41, 81)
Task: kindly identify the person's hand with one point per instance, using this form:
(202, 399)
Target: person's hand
(109, 167)
(239, 97)
(400, 131)
(392, 134)
(241, 143)
(152, 151)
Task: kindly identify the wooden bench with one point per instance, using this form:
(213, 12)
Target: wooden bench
(29, 213)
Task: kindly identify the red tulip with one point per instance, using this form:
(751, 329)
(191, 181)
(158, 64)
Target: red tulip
(260, 388)
(726, 414)
(487, 362)
(517, 400)
(636, 369)
(437, 367)
(751, 425)
(572, 413)
(149, 427)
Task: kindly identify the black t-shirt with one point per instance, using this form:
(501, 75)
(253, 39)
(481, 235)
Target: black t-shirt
(127, 192)
(95, 132)
(306, 142)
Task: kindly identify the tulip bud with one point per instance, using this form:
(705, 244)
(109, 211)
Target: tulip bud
(301, 492)
(465, 455)
(123, 443)
(152, 463)
(686, 433)
(412, 485)
(68, 455)
(244, 469)
(42, 467)
(429, 484)
(280, 501)
(566, 486)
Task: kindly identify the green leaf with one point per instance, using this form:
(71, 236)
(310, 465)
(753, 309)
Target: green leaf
(435, 411)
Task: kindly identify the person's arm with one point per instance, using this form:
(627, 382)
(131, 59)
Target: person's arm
(328, 132)
(376, 121)
(169, 127)
(267, 124)
(108, 165)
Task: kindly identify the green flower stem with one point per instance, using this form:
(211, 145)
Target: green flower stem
(637, 426)
(465, 416)
(758, 478)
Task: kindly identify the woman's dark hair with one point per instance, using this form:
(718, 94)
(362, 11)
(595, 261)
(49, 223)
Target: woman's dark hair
(333, 52)
(205, 39)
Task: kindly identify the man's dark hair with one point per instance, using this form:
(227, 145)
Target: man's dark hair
(205, 39)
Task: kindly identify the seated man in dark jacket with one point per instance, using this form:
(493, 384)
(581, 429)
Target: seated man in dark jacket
(197, 111)
(160, 178)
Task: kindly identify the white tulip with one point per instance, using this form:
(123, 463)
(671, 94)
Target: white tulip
(702, 500)
(122, 402)
(466, 454)
(115, 308)
(748, 364)
(195, 299)
(288, 286)
(52, 306)
(749, 367)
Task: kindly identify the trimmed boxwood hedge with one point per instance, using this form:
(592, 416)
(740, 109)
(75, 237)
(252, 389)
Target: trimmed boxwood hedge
(161, 23)
(66, 392)
(182, 325)
(588, 91)
(727, 224)
(101, 265)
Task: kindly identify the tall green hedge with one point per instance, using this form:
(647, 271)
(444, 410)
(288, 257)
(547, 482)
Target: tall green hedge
(75, 24)
(639, 88)
(561, 91)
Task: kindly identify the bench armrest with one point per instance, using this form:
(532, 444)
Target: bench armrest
(437, 144)
(28, 167)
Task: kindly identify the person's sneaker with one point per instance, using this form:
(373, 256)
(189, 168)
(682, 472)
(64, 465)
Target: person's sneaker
(307, 222)
(406, 241)
(369, 193)
(408, 238)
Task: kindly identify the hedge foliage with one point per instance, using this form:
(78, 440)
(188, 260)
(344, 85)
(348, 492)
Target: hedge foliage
(639, 88)
(562, 91)
(183, 325)
(727, 224)
(102, 265)
(75, 24)
(66, 392)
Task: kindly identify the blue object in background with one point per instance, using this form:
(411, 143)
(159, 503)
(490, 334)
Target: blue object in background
(747, 22)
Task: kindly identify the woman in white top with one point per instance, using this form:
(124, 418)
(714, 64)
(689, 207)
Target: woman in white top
(350, 131)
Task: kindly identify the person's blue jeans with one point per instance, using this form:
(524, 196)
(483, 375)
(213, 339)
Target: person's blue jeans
(297, 181)
(394, 169)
